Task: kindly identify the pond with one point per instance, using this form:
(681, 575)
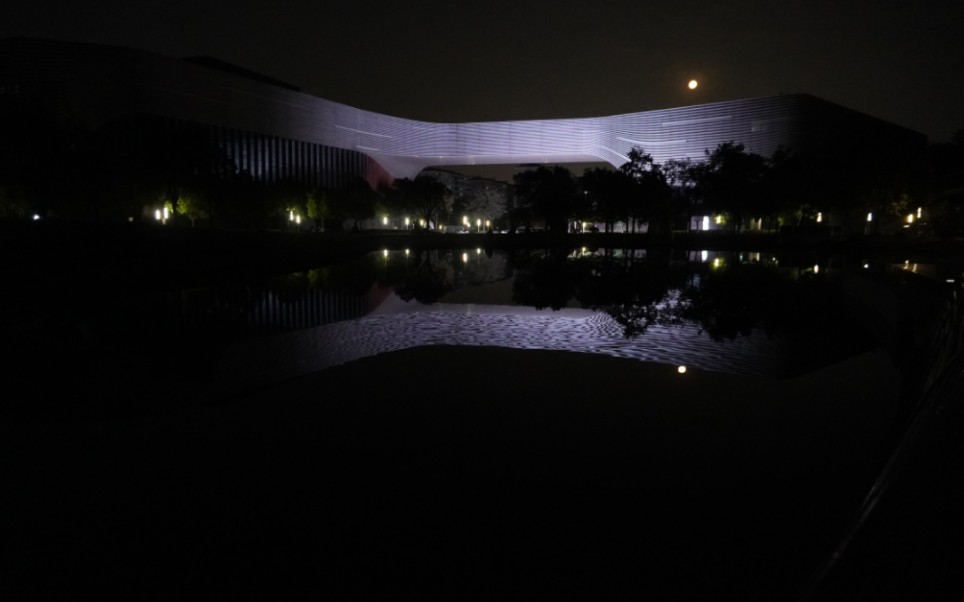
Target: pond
(746, 313)
(589, 423)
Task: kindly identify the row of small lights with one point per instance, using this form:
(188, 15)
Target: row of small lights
(467, 222)
(408, 222)
(465, 256)
(162, 214)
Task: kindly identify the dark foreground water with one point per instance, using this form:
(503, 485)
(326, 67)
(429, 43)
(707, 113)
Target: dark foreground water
(466, 425)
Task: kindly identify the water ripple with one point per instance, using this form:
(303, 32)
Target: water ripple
(284, 356)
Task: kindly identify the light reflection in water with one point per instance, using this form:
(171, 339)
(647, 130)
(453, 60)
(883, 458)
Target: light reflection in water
(476, 299)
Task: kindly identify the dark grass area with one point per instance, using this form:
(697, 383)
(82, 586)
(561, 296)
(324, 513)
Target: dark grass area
(453, 473)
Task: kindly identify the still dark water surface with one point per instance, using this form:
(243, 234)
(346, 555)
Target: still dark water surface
(472, 425)
(744, 313)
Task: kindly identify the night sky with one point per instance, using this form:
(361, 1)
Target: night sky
(494, 60)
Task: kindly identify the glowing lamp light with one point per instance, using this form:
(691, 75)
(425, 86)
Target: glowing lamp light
(384, 252)
(385, 221)
(704, 255)
(692, 84)
(918, 212)
(681, 369)
(291, 216)
(718, 219)
(910, 218)
(36, 216)
(157, 214)
(165, 213)
(465, 257)
(298, 219)
(870, 217)
(706, 222)
(816, 269)
(407, 221)
(819, 217)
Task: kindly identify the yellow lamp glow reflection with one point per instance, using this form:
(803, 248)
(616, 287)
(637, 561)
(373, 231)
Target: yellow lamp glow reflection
(692, 84)
(681, 369)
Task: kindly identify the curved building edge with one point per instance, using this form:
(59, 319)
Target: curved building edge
(274, 131)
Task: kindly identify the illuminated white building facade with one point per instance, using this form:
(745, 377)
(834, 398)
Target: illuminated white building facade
(272, 130)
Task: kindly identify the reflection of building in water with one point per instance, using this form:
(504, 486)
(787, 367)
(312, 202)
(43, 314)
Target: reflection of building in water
(275, 311)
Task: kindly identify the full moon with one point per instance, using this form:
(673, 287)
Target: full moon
(693, 83)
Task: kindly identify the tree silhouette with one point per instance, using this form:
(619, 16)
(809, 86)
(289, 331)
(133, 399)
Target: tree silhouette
(431, 278)
(549, 281)
(424, 197)
(730, 180)
(550, 194)
(650, 194)
(608, 192)
(355, 202)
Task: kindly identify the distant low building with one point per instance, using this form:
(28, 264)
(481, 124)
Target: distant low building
(273, 131)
